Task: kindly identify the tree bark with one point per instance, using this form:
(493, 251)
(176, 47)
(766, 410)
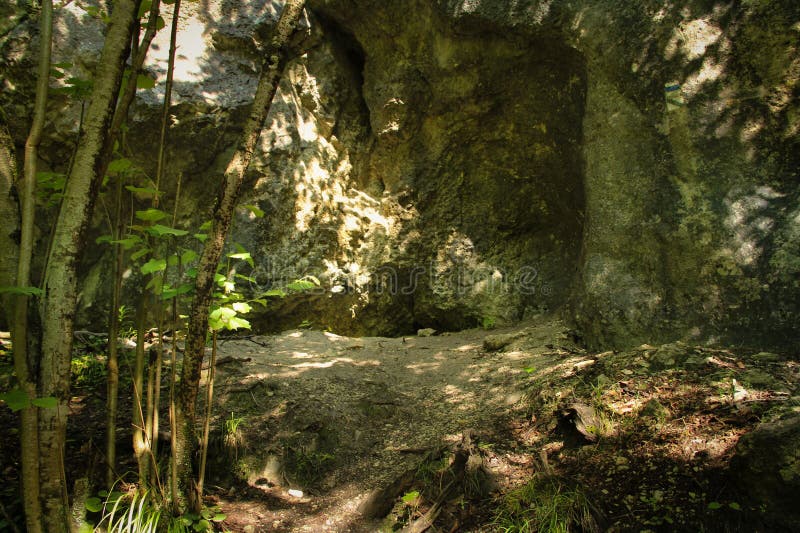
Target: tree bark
(24, 366)
(186, 438)
(9, 214)
(59, 302)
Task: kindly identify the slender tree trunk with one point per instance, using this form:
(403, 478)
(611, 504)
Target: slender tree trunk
(24, 365)
(59, 303)
(207, 418)
(139, 54)
(276, 58)
(140, 438)
(113, 347)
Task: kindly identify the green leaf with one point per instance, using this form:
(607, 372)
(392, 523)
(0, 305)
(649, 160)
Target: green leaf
(530, 370)
(93, 505)
(205, 226)
(128, 242)
(191, 273)
(188, 256)
(246, 278)
(138, 254)
(62, 64)
(202, 525)
(159, 231)
(714, 505)
(119, 165)
(45, 403)
(151, 215)
(300, 285)
(103, 239)
(160, 23)
(142, 190)
(244, 256)
(218, 318)
(145, 82)
(241, 307)
(735, 506)
(26, 291)
(411, 497)
(238, 323)
(154, 265)
(274, 293)
(16, 399)
(169, 293)
(258, 213)
(201, 237)
(219, 517)
(155, 284)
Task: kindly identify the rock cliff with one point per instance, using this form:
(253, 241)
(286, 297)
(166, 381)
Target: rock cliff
(457, 163)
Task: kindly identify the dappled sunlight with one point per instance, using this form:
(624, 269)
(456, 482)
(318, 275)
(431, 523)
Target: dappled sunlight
(421, 368)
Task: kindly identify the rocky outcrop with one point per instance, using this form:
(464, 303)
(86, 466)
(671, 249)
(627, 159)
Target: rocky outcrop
(634, 166)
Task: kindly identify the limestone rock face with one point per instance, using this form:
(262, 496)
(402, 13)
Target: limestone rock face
(450, 163)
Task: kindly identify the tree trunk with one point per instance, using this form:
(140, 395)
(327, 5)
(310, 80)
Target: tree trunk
(24, 366)
(276, 59)
(59, 302)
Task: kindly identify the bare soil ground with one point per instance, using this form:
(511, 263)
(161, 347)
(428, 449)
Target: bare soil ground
(470, 431)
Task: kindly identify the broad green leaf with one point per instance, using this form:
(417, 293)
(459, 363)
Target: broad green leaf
(62, 64)
(26, 291)
(205, 226)
(735, 506)
(238, 323)
(119, 165)
(530, 369)
(93, 505)
(138, 254)
(714, 505)
(219, 517)
(244, 256)
(219, 279)
(191, 273)
(16, 399)
(274, 293)
(128, 242)
(167, 294)
(45, 403)
(258, 213)
(201, 237)
(103, 239)
(159, 231)
(154, 265)
(411, 497)
(142, 190)
(202, 525)
(246, 278)
(151, 215)
(300, 285)
(242, 307)
(220, 318)
(155, 284)
(160, 23)
(188, 256)
(145, 82)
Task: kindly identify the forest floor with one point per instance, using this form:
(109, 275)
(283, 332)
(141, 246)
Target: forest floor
(517, 429)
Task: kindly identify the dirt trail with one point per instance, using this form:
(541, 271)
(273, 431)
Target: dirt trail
(338, 417)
